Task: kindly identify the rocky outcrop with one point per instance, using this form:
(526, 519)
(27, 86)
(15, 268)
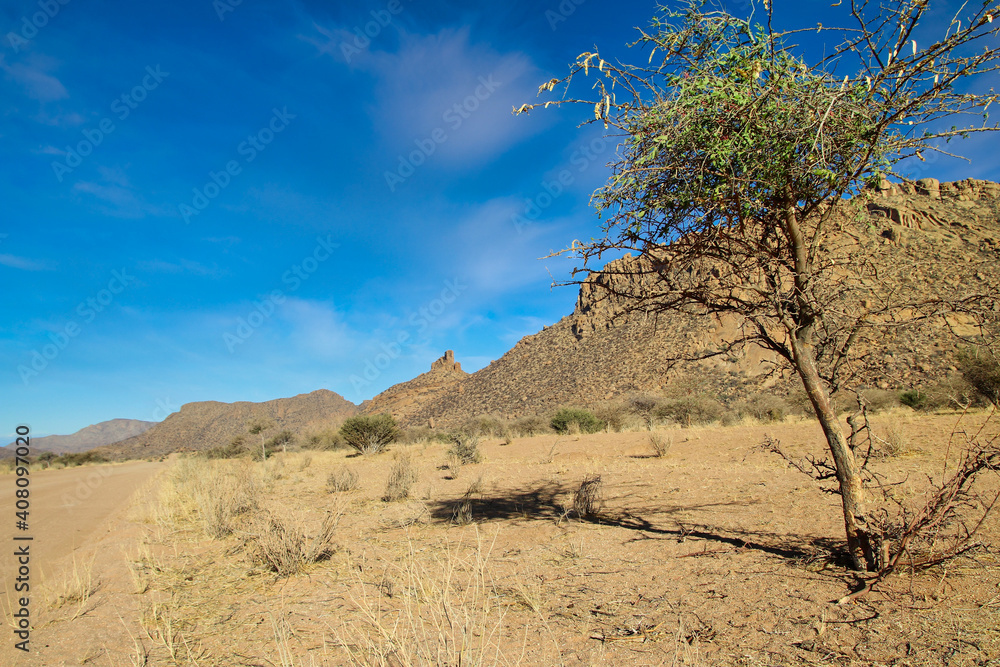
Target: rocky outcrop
(446, 363)
(404, 400)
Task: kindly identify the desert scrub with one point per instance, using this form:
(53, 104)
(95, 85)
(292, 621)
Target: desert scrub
(369, 434)
(567, 420)
(341, 480)
(689, 410)
(465, 448)
(402, 476)
(280, 545)
(588, 499)
(660, 443)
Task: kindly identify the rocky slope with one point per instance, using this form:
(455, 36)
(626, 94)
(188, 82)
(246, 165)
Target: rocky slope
(207, 424)
(406, 399)
(600, 351)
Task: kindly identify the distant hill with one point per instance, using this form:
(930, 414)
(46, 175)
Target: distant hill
(95, 435)
(207, 424)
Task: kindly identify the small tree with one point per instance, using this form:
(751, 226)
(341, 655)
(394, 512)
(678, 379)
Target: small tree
(369, 434)
(742, 180)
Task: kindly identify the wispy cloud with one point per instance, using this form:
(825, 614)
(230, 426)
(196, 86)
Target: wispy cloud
(34, 78)
(443, 81)
(23, 263)
(179, 266)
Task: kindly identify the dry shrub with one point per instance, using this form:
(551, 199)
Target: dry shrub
(588, 499)
(615, 415)
(661, 443)
(279, 544)
(880, 400)
(891, 438)
(341, 480)
(462, 514)
(465, 448)
(529, 426)
(402, 476)
(222, 494)
(485, 426)
(766, 408)
(689, 410)
(74, 589)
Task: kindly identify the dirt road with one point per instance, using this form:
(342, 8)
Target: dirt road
(68, 507)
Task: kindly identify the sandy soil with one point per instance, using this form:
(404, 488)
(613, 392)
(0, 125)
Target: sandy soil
(716, 554)
(70, 509)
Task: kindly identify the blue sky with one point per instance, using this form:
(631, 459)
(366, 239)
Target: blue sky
(197, 206)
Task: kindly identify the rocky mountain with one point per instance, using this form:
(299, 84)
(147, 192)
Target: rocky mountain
(95, 435)
(406, 399)
(207, 424)
(601, 351)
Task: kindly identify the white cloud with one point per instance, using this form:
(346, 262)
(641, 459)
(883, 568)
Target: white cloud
(24, 263)
(443, 82)
(33, 78)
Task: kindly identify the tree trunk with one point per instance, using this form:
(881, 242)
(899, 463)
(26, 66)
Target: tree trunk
(861, 542)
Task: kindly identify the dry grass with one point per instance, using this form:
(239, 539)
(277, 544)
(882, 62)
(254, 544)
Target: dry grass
(402, 476)
(74, 589)
(342, 480)
(446, 613)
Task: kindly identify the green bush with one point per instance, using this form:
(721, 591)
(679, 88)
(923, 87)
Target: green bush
(689, 410)
(79, 459)
(569, 419)
(283, 440)
(369, 434)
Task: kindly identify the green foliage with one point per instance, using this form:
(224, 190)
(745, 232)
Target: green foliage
(369, 434)
(567, 420)
(46, 458)
(913, 398)
(465, 449)
(282, 440)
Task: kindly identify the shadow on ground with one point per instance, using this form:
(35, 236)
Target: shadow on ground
(553, 502)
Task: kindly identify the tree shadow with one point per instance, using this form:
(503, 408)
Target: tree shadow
(542, 503)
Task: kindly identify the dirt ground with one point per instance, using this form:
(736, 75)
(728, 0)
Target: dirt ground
(717, 553)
